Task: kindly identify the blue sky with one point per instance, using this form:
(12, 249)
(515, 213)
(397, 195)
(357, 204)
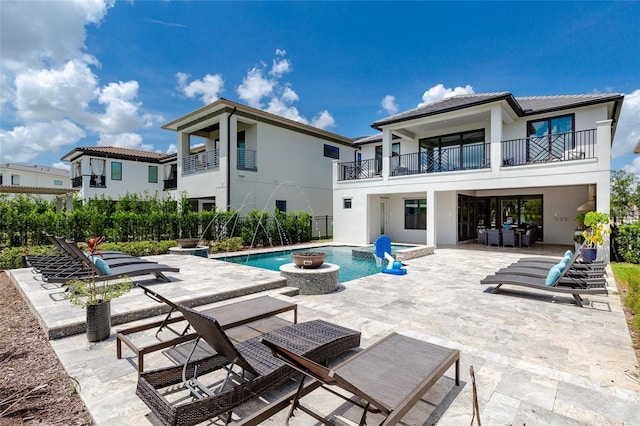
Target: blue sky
(86, 73)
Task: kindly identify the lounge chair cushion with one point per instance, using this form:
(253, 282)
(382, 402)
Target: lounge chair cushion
(102, 265)
(553, 275)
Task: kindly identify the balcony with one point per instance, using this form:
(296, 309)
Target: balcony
(552, 148)
(468, 157)
(171, 183)
(247, 160)
(76, 182)
(199, 162)
(568, 146)
(97, 181)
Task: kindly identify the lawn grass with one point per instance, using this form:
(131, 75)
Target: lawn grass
(628, 281)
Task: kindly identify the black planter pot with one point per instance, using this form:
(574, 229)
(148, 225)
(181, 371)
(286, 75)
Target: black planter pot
(98, 321)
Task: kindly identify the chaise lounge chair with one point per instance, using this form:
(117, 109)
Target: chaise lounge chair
(251, 369)
(541, 270)
(388, 378)
(99, 270)
(558, 280)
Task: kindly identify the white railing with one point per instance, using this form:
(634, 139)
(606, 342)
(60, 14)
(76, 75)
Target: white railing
(201, 161)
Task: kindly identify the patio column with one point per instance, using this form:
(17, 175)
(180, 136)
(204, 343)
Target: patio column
(386, 153)
(183, 149)
(496, 139)
(431, 219)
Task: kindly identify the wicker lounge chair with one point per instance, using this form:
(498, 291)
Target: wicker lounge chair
(388, 378)
(251, 369)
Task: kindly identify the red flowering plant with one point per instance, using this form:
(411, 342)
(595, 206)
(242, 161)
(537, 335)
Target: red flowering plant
(84, 292)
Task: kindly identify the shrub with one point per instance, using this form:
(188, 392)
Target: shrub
(628, 239)
(229, 244)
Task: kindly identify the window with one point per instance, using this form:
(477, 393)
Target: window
(1, 179)
(153, 174)
(549, 138)
(346, 203)
(57, 182)
(378, 158)
(281, 205)
(116, 170)
(458, 151)
(415, 214)
(15, 179)
(331, 151)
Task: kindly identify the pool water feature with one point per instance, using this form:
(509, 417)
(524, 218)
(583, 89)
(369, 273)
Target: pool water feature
(351, 267)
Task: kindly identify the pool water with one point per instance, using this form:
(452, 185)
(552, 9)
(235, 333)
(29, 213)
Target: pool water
(351, 267)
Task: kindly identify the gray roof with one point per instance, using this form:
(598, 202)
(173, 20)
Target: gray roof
(522, 106)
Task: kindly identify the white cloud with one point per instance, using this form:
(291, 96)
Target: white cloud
(124, 140)
(208, 88)
(439, 92)
(634, 167)
(389, 104)
(254, 87)
(172, 149)
(50, 95)
(37, 32)
(55, 93)
(628, 129)
(25, 143)
(280, 67)
(64, 166)
(324, 120)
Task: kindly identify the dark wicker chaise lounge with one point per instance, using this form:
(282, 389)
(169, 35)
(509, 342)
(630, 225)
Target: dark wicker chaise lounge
(250, 368)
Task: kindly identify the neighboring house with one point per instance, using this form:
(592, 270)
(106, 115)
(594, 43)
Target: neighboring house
(440, 171)
(237, 157)
(113, 172)
(48, 182)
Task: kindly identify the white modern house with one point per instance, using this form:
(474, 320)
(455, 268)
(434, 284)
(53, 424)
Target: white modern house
(437, 173)
(113, 172)
(44, 181)
(236, 157)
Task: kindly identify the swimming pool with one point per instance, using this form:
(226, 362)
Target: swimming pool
(351, 267)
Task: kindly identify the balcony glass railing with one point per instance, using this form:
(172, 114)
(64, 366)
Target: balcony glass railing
(76, 182)
(201, 161)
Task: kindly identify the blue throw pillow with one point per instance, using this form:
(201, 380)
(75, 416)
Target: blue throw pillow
(568, 254)
(554, 274)
(102, 265)
(563, 264)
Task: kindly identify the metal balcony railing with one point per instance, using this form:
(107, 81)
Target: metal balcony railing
(247, 159)
(556, 147)
(98, 181)
(171, 183)
(201, 161)
(467, 157)
(363, 169)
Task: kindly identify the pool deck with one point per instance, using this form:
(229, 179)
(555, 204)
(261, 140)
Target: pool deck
(538, 359)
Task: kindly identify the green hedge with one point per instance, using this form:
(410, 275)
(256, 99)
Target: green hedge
(628, 239)
(134, 218)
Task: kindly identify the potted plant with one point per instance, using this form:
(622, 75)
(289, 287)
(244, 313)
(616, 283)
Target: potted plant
(96, 297)
(597, 224)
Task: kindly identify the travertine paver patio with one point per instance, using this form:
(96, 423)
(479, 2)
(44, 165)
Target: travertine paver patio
(538, 359)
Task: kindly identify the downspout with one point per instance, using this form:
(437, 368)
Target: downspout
(229, 158)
